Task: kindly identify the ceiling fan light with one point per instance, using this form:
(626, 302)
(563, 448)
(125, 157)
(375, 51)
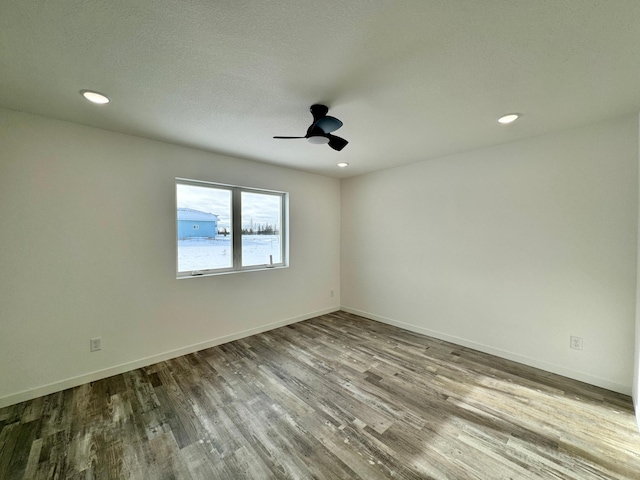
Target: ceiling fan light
(343, 165)
(318, 140)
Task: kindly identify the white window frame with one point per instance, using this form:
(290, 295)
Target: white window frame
(236, 229)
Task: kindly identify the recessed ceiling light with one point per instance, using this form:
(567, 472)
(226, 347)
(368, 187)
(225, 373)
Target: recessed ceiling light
(95, 97)
(506, 119)
(343, 164)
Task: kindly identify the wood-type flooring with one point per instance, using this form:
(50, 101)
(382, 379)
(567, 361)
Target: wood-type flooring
(337, 396)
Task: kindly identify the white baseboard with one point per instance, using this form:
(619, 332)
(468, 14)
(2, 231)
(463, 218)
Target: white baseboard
(532, 362)
(143, 362)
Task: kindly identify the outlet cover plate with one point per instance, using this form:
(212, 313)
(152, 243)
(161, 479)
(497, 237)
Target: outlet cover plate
(576, 343)
(95, 344)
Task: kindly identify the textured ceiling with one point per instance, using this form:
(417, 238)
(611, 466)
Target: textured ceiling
(411, 80)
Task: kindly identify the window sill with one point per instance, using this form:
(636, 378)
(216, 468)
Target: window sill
(260, 268)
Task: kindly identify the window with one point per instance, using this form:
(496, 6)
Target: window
(225, 228)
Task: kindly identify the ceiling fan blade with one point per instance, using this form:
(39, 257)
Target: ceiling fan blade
(314, 131)
(328, 124)
(337, 143)
(288, 137)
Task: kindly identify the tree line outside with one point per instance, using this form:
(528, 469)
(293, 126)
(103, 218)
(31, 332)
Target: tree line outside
(265, 229)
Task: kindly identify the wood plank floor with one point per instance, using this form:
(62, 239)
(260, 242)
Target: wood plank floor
(336, 396)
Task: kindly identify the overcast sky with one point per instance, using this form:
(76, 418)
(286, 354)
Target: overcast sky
(256, 208)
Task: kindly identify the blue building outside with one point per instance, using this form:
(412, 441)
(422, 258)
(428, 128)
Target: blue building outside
(194, 223)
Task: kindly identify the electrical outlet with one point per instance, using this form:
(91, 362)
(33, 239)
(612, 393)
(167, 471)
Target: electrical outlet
(331, 294)
(95, 344)
(576, 343)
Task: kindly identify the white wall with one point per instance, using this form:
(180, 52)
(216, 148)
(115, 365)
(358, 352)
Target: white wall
(509, 249)
(636, 371)
(88, 250)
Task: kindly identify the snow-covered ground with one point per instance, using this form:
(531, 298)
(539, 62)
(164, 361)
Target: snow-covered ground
(204, 254)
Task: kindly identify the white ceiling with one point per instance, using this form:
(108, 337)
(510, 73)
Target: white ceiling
(411, 80)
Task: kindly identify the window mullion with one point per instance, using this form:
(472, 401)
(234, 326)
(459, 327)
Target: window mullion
(236, 225)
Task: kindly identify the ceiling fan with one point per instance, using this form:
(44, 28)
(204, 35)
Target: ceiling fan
(320, 130)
